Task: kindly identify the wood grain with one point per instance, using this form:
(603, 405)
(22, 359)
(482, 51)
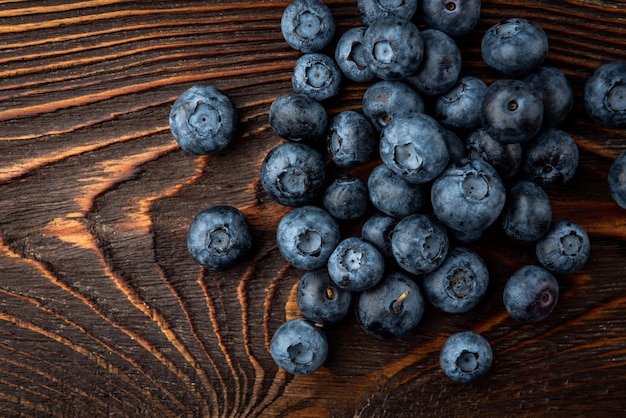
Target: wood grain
(104, 313)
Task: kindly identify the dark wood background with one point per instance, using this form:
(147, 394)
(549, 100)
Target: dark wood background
(104, 313)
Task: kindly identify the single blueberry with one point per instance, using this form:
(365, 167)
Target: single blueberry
(527, 214)
(419, 243)
(460, 108)
(555, 92)
(351, 139)
(308, 25)
(377, 229)
(392, 309)
(299, 347)
(306, 236)
(385, 100)
(530, 294)
(551, 159)
(440, 66)
(414, 147)
(617, 180)
(372, 10)
(393, 47)
(506, 158)
(454, 17)
(356, 264)
(514, 46)
(456, 146)
(466, 356)
(459, 283)
(346, 198)
(298, 117)
(316, 75)
(511, 111)
(565, 248)
(320, 300)
(604, 95)
(293, 174)
(393, 195)
(203, 120)
(350, 56)
(219, 237)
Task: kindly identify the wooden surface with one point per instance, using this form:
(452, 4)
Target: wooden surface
(104, 313)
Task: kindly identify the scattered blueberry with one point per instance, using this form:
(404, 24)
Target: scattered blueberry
(531, 294)
(551, 159)
(320, 300)
(454, 17)
(460, 108)
(393, 195)
(456, 146)
(505, 157)
(385, 100)
(298, 117)
(617, 180)
(604, 96)
(466, 356)
(565, 248)
(346, 198)
(419, 243)
(527, 214)
(219, 237)
(356, 264)
(350, 56)
(555, 92)
(308, 25)
(203, 120)
(377, 229)
(316, 75)
(306, 236)
(351, 139)
(299, 347)
(372, 10)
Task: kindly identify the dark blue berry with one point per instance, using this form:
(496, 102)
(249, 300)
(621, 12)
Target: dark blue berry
(617, 180)
(392, 309)
(308, 25)
(419, 243)
(293, 174)
(514, 46)
(377, 229)
(320, 300)
(459, 283)
(356, 264)
(372, 10)
(299, 347)
(385, 100)
(393, 195)
(527, 214)
(350, 56)
(565, 248)
(506, 158)
(298, 117)
(306, 236)
(393, 48)
(466, 356)
(531, 294)
(605, 95)
(456, 146)
(346, 198)
(460, 108)
(551, 159)
(555, 92)
(219, 237)
(414, 147)
(316, 75)
(351, 140)
(454, 17)
(203, 120)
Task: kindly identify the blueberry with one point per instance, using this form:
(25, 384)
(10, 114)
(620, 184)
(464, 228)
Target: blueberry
(565, 248)
(393, 48)
(385, 100)
(203, 120)
(307, 25)
(393, 195)
(456, 146)
(351, 139)
(316, 75)
(555, 92)
(466, 356)
(454, 17)
(459, 283)
(512, 111)
(530, 294)
(320, 300)
(299, 347)
(377, 229)
(617, 180)
(356, 264)
(551, 159)
(392, 309)
(459, 108)
(514, 46)
(419, 243)
(372, 10)
(604, 95)
(440, 66)
(306, 236)
(468, 196)
(506, 158)
(346, 198)
(414, 147)
(527, 214)
(350, 56)
(298, 117)
(219, 237)
(293, 174)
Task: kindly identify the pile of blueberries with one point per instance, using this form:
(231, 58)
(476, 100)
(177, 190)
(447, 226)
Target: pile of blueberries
(483, 155)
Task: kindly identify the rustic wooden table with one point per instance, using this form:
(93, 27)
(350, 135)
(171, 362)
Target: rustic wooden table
(104, 313)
